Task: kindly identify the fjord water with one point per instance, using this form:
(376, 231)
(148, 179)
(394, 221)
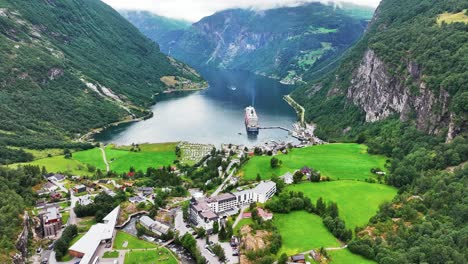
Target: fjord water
(214, 115)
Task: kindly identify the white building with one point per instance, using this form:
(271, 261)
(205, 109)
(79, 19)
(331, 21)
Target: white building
(260, 194)
(287, 178)
(154, 226)
(86, 247)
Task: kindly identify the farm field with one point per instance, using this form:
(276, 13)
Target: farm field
(60, 164)
(133, 242)
(151, 155)
(302, 231)
(357, 201)
(120, 159)
(337, 161)
(161, 255)
(345, 256)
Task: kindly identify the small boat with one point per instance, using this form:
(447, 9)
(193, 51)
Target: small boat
(233, 88)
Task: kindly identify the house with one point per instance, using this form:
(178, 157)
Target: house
(288, 178)
(136, 199)
(49, 187)
(79, 188)
(154, 226)
(246, 215)
(110, 192)
(55, 195)
(51, 221)
(41, 202)
(103, 181)
(57, 177)
(299, 258)
(265, 215)
(145, 190)
(306, 171)
(84, 200)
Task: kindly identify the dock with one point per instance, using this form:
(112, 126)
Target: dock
(291, 132)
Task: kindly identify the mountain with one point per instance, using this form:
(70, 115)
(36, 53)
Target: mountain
(283, 43)
(411, 65)
(69, 66)
(152, 25)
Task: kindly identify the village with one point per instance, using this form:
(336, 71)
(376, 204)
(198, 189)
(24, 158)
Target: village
(198, 213)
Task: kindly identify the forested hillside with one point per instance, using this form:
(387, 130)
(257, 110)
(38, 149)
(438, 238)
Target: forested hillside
(289, 43)
(403, 91)
(152, 25)
(410, 65)
(68, 66)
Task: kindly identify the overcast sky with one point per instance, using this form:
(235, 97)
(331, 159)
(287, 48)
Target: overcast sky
(194, 10)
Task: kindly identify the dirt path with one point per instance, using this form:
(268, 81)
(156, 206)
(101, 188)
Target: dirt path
(104, 158)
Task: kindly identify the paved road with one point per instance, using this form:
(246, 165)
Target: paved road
(179, 223)
(239, 217)
(221, 187)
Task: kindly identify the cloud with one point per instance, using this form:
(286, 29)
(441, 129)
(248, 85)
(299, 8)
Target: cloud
(194, 10)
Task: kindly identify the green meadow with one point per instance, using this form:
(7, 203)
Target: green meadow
(133, 242)
(302, 231)
(161, 255)
(357, 201)
(337, 161)
(120, 159)
(344, 256)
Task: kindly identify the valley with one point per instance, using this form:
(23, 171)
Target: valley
(125, 137)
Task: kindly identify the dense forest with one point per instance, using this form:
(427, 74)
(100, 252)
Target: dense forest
(427, 221)
(69, 66)
(418, 51)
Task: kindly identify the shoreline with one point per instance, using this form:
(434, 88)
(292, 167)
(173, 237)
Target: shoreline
(86, 137)
(300, 111)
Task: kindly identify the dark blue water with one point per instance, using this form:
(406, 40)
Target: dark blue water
(214, 115)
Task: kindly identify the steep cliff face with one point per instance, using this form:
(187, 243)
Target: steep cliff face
(380, 94)
(411, 63)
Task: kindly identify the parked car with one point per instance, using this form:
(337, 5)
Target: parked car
(38, 250)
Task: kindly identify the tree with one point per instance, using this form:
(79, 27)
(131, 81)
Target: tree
(259, 178)
(67, 153)
(274, 163)
(222, 234)
(215, 227)
(283, 259)
(297, 177)
(320, 206)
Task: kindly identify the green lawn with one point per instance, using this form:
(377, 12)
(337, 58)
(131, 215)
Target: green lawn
(85, 223)
(65, 216)
(111, 254)
(357, 201)
(161, 255)
(60, 164)
(133, 242)
(92, 157)
(345, 256)
(119, 158)
(302, 231)
(338, 161)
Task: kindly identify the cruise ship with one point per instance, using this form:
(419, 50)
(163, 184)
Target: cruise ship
(251, 120)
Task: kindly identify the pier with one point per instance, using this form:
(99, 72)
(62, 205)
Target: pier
(291, 132)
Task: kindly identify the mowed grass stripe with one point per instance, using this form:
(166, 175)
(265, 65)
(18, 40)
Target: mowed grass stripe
(357, 201)
(337, 161)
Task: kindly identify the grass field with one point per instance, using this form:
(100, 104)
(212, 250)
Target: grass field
(337, 161)
(133, 242)
(161, 255)
(357, 201)
(119, 158)
(111, 254)
(61, 164)
(302, 231)
(345, 256)
(453, 17)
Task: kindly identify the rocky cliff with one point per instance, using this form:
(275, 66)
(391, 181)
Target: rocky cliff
(380, 94)
(411, 63)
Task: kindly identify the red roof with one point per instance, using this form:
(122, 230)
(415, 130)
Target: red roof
(246, 215)
(131, 174)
